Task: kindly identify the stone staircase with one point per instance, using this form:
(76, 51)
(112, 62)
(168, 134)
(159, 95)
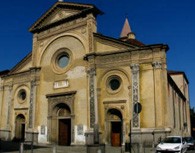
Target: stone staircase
(73, 149)
(110, 149)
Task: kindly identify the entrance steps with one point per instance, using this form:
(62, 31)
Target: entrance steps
(73, 149)
(111, 149)
(59, 149)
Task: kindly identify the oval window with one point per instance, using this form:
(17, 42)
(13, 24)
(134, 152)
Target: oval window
(22, 95)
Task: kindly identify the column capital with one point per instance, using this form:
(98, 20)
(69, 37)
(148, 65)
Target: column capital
(134, 67)
(157, 64)
(91, 71)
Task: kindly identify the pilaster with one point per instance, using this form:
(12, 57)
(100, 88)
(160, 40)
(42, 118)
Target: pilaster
(93, 97)
(158, 97)
(9, 111)
(135, 93)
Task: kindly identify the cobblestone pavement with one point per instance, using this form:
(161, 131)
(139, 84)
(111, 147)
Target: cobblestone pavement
(14, 147)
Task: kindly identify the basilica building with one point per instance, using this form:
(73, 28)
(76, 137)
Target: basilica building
(79, 87)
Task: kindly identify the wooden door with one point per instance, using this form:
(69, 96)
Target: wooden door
(22, 131)
(116, 133)
(64, 132)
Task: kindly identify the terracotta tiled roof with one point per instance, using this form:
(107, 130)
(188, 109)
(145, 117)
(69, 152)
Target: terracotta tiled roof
(132, 41)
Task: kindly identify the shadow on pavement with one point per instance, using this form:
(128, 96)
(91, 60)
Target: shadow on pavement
(9, 146)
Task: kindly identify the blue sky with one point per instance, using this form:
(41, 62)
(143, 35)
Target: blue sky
(153, 21)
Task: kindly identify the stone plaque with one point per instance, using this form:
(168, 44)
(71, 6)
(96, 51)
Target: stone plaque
(80, 129)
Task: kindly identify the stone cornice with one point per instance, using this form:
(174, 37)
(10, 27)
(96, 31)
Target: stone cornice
(60, 94)
(128, 50)
(23, 72)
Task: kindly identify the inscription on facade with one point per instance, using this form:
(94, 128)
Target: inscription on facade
(42, 130)
(80, 129)
(61, 84)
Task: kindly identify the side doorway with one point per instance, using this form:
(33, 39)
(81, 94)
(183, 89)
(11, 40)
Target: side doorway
(114, 126)
(20, 128)
(116, 133)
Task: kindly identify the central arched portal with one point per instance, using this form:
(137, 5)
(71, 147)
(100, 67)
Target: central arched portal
(114, 123)
(61, 118)
(64, 124)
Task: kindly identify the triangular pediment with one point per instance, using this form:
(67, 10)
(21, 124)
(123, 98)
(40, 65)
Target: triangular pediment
(62, 12)
(108, 44)
(59, 15)
(24, 65)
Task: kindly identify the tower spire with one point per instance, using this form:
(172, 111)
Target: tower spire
(126, 31)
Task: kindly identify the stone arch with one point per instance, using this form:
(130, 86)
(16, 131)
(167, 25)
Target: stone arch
(61, 110)
(114, 114)
(54, 40)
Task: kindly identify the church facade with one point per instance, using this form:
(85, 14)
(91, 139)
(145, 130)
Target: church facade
(76, 81)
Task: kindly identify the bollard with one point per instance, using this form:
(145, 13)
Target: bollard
(54, 149)
(32, 147)
(99, 151)
(21, 147)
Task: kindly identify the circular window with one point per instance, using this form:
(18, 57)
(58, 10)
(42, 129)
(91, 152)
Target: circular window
(22, 95)
(113, 84)
(63, 60)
